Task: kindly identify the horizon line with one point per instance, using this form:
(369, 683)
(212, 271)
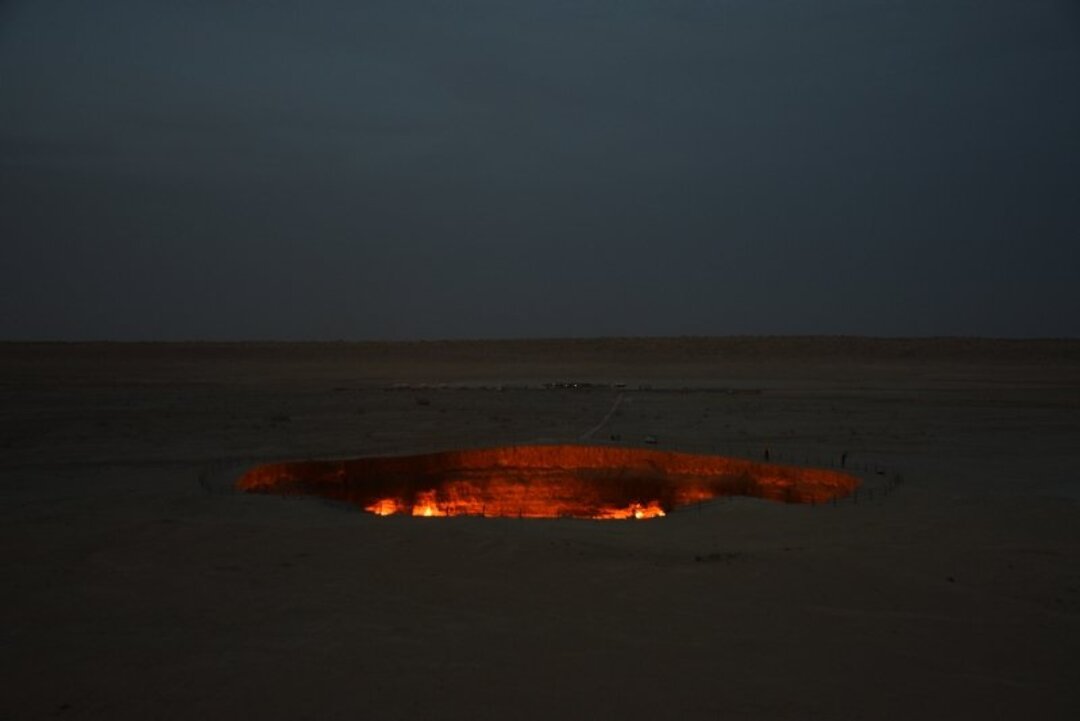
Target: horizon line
(530, 339)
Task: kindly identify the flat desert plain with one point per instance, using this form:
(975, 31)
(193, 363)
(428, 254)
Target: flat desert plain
(138, 584)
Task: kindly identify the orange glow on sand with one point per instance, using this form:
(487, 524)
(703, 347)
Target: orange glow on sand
(596, 482)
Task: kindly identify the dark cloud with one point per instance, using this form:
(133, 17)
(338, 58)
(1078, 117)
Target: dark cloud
(397, 170)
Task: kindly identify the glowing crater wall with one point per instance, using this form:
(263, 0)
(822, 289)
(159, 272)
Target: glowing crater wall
(548, 481)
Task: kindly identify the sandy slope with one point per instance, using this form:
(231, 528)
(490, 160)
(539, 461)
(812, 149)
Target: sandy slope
(137, 585)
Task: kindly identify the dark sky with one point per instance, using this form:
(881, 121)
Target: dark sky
(361, 169)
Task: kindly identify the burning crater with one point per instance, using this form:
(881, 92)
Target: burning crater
(553, 481)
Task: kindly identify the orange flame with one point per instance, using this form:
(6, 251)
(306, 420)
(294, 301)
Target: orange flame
(637, 511)
(426, 505)
(385, 507)
(598, 482)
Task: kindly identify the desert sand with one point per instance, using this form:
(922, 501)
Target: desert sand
(138, 584)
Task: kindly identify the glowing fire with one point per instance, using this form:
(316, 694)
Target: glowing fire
(428, 505)
(637, 511)
(385, 507)
(597, 482)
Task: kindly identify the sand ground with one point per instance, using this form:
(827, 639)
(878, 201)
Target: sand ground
(137, 585)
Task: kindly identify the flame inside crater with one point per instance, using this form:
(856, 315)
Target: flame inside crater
(597, 482)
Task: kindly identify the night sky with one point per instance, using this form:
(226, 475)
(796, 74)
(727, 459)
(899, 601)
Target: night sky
(361, 169)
